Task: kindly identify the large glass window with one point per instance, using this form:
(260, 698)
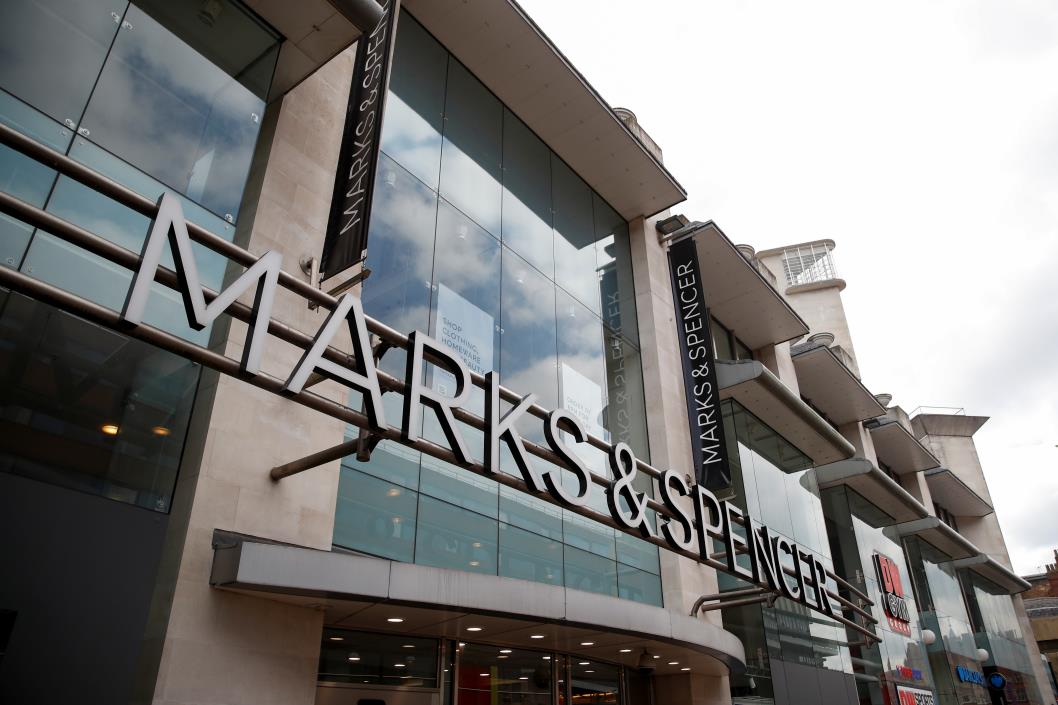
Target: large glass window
(378, 659)
(470, 206)
(515, 676)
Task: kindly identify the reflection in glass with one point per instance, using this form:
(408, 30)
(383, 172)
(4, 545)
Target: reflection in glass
(596, 683)
(575, 265)
(51, 51)
(411, 132)
(487, 676)
(614, 261)
(450, 537)
(471, 153)
(529, 556)
(374, 516)
(86, 408)
(377, 659)
(164, 106)
(590, 572)
(527, 195)
(528, 343)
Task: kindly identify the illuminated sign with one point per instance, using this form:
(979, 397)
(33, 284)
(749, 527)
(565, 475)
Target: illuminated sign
(908, 674)
(893, 601)
(968, 676)
(914, 696)
(997, 681)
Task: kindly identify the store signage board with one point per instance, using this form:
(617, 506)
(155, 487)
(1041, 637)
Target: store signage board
(893, 600)
(694, 515)
(346, 240)
(699, 370)
(914, 696)
(967, 675)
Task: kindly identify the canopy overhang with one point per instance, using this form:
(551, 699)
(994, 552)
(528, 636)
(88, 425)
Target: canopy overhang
(831, 386)
(995, 572)
(939, 535)
(753, 386)
(739, 295)
(501, 45)
(955, 495)
(860, 475)
(897, 448)
(362, 592)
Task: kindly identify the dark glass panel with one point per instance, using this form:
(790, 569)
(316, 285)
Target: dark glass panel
(378, 659)
(527, 195)
(375, 516)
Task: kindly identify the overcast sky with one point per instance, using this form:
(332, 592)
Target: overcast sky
(920, 135)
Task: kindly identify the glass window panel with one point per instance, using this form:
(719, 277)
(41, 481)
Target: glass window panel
(575, 265)
(453, 484)
(626, 414)
(390, 461)
(450, 537)
(637, 553)
(589, 535)
(52, 50)
(590, 572)
(374, 516)
(527, 195)
(722, 349)
(530, 513)
(487, 676)
(528, 341)
(194, 126)
(411, 132)
(614, 260)
(596, 683)
(86, 408)
(377, 659)
(400, 256)
(471, 153)
(638, 585)
(529, 556)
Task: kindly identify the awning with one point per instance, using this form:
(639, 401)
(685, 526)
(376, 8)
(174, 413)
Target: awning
(872, 484)
(756, 388)
(509, 53)
(739, 295)
(939, 535)
(361, 592)
(955, 495)
(831, 386)
(897, 448)
(994, 572)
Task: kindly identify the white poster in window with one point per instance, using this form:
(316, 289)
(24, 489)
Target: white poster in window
(584, 399)
(466, 329)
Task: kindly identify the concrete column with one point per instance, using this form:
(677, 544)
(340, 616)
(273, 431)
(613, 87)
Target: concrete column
(860, 438)
(691, 689)
(778, 360)
(222, 647)
(683, 580)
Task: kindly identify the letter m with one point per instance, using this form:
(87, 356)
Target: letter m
(264, 273)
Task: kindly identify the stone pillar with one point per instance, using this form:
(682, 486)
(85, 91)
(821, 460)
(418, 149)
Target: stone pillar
(221, 647)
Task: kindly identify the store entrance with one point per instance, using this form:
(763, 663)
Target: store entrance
(362, 668)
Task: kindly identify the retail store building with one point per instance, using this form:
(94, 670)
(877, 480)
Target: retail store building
(307, 493)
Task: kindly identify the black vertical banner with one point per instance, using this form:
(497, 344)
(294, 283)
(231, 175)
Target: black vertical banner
(346, 241)
(699, 371)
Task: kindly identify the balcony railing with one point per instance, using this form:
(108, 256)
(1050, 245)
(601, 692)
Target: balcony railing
(809, 263)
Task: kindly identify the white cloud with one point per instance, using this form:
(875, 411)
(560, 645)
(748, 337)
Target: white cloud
(922, 138)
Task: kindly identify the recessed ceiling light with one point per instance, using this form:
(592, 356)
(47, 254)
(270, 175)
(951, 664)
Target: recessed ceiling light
(484, 675)
(473, 629)
(160, 431)
(395, 620)
(674, 663)
(398, 665)
(354, 658)
(109, 429)
(475, 564)
(587, 643)
(523, 678)
(685, 668)
(536, 636)
(476, 544)
(501, 656)
(505, 651)
(393, 492)
(625, 651)
(462, 644)
(337, 638)
(657, 657)
(546, 658)
(589, 671)
(583, 663)
(409, 646)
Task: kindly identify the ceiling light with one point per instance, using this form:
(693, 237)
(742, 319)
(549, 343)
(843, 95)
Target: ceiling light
(625, 651)
(398, 665)
(589, 671)
(394, 620)
(462, 644)
(501, 656)
(336, 638)
(505, 651)
(546, 658)
(523, 678)
(657, 657)
(109, 429)
(536, 636)
(354, 658)
(674, 663)
(685, 668)
(584, 663)
(476, 544)
(393, 492)
(160, 431)
(475, 564)
(484, 675)
(473, 629)
(409, 646)
(587, 643)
